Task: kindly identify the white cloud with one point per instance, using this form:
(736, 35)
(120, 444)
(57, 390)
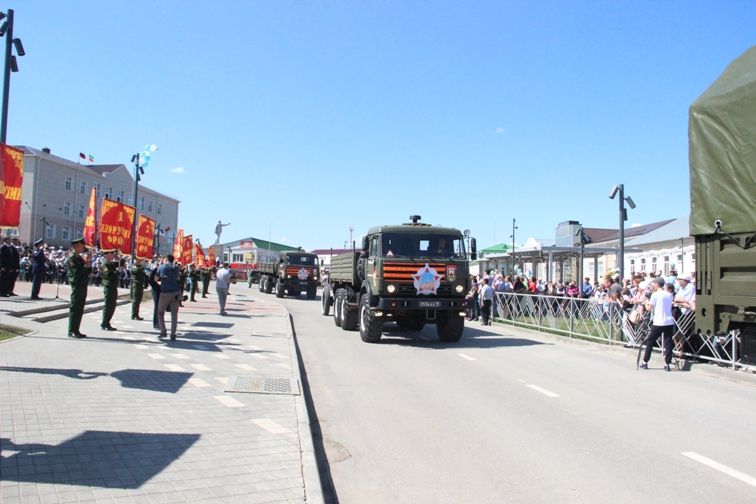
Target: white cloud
(178, 169)
(500, 131)
(284, 239)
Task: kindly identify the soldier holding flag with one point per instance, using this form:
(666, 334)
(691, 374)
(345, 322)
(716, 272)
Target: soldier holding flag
(109, 271)
(79, 268)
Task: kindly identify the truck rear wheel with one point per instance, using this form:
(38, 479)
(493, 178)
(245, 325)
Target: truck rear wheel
(325, 301)
(350, 317)
(268, 285)
(261, 284)
(337, 300)
(371, 327)
(449, 326)
(280, 291)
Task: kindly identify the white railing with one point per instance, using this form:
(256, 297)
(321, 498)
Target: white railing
(607, 322)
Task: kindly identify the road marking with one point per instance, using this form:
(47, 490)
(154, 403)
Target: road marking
(198, 382)
(750, 480)
(221, 356)
(201, 367)
(128, 326)
(174, 367)
(467, 357)
(131, 338)
(156, 356)
(246, 367)
(282, 365)
(259, 356)
(180, 356)
(270, 426)
(279, 356)
(543, 391)
(232, 340)
(164, 348)
(229, 401)
(141, 347)
(222, 379)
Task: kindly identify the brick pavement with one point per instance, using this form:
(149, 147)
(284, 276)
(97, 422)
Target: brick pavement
(124, 417)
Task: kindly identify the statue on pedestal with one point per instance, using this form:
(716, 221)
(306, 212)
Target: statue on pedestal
(218, 230)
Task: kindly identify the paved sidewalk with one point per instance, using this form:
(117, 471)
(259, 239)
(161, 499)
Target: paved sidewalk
(124, 417)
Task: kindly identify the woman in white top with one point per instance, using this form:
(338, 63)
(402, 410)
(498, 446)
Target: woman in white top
(663, 323)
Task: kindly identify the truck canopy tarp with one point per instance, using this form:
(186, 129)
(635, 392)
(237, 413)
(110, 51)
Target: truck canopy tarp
(722, 151)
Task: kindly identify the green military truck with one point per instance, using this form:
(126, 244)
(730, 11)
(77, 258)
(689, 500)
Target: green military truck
(292, 273)
(722, 149)
(410, 274)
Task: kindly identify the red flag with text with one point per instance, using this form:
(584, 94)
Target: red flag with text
(210, 257)
(90, 223)
(178, 243)
(116, 220)
(186, 250)
(199, 256)
(11, 178)
(145, 238)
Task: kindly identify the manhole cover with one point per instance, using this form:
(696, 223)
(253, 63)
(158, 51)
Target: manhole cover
(262, 385)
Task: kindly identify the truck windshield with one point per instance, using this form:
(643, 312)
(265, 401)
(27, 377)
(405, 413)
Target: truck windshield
(422, 246)
(302, 260)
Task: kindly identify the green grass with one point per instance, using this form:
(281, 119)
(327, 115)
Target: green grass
(8, 332)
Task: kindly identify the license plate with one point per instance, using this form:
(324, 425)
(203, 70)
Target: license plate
(429, 304)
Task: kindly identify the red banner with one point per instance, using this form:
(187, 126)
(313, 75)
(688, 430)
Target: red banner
(116, 220)
(90, 223)
(178, 243)
(11, 178)
(186, 250)
(199, 256)
(145, 238)
(210, 257)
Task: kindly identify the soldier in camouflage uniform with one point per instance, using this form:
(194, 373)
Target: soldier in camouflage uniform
(205, 275)
(109, 270)
(193, 275)
(79, 268)
(138, 282)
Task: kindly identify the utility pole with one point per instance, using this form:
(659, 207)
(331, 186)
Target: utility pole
(11, 65)
(514, 228)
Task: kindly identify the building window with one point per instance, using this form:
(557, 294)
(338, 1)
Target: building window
(83, 187)
(632, 266)
(141, 203)
(159, 208)
(666, 265)
(237, 258)
(81, 211)
(149, 206)
(50, 233)
(68, 183)
(601, 268)
(643, 265)
(64, 233)
(67, 209)
(653, 264)
(120, 196)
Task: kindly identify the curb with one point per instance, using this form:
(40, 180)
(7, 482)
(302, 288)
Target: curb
(310, 474)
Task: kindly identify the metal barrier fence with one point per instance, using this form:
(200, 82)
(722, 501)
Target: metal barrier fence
(607, 322)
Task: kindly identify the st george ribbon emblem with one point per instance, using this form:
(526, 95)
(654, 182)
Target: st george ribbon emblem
(427, 280)
(302, 274)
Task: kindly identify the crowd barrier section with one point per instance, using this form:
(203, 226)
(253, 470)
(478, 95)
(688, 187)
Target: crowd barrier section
(606, 322)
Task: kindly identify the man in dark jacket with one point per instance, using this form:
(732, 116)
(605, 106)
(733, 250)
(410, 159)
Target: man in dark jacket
(79, 268)
(6, 263)
(38, 268)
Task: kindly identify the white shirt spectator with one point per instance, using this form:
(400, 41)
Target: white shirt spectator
(222, 278)
(661, 300)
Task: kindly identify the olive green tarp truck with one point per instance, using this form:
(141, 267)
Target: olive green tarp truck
(293, 273)
(722, 152)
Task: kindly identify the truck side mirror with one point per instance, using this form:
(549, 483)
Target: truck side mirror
(365, 243)
(473, 249)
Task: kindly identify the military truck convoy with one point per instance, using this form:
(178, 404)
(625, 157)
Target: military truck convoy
(722, 149)
(411, 274)
(292, 273)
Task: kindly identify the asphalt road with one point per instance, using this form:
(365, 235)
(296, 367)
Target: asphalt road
(513, 416)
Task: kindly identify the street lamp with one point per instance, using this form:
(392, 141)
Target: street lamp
(11, 65)
(620, 188)
(140, 160)
(513, 245)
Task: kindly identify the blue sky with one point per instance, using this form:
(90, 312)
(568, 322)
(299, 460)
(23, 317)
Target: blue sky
(297, 120)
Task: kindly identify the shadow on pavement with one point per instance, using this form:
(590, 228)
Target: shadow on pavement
(69, 373)
(150, 379)
(106, 459)
(221, 325)
(473, 337)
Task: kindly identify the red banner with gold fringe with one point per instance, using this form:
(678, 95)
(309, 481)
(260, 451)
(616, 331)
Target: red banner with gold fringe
(90, 223)
(145, 238)
(11, 179)
(186, 250)
(116, 220)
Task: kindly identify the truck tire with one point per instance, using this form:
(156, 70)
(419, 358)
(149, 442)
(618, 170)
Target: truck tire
(268, 285)
(325, 301)
(280, 291)
(350, 317)
(311, 292)
(371, 327)
(449, 326)
(261, 284)
(337, 300)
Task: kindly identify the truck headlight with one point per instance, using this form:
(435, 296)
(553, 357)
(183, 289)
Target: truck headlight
(391, 288)
(459, 289)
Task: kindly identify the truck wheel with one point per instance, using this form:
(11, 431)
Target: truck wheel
(280, 291)
(261, 284)
(337, 300)
(311, 291)
(449, 326)
(325, 301)
(268, 285)
(371, 327)
(350, 317)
